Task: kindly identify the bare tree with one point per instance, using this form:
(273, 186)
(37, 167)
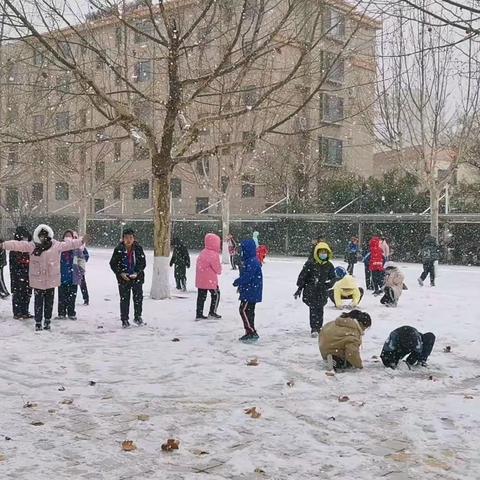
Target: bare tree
(176, 58)
(423, 115)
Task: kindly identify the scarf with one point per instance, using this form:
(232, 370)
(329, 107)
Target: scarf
(42, 247)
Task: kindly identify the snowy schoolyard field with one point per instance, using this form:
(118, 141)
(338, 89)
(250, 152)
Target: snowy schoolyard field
(70, 397)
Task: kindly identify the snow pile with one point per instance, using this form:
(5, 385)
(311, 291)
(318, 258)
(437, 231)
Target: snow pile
(73, 397)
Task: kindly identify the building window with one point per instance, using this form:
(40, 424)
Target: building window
(142, 27)
(203, 166)
(334, 68)
(116, 192)
(224, 181)
(38, 58)
(248, 139)
(38, 122)
(176, 187)
(63, 84)
(331, 151)
(11, 199)
(141, 190)
(119, 37)
(143, 71)
(82, 117)
(12, 155)
(62, 154)
(140, 152)
(66, 50)
(117, 151)
(248, 186)
(61, 191)
(201, 205)
(331, 108)
(249, 95)
(38, 157)
(334, 24)
(62, 121)
(99, 204)
(37, 192)
(99, 171)
(225, 138)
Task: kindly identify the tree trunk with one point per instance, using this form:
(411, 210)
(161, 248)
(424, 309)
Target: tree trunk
(161, 236)
(225, 203)
(82, 216)
(434, 210)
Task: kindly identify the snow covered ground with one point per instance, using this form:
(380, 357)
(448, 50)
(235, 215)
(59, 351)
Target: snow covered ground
(396, 424)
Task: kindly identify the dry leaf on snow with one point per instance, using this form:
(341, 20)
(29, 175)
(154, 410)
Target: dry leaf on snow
(343, 398)
(330, 374)
(200, 452)
(171, 444)
(67, 401)
(128, 446)
(259, 470)
(253, 412)
(447, 349)
(30, 405)
(175, 339)
(253, 362)
(37, 423)
(290, 383)
(143, 418)
(61, 388)
(2, 457)
(469, 397)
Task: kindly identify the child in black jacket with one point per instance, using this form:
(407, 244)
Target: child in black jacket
(181, 260)
(315, 279)
(19, 281)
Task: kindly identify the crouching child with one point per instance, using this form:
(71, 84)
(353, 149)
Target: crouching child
(250, 288)
(409, 341)
(394, 285)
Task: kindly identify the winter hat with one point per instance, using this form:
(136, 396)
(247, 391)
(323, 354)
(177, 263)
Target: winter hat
(21, 233)
(340, 272)
(322, 246)
(389, 265)
(42, 230)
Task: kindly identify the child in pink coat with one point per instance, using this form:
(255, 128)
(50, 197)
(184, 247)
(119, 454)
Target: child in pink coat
(44, 269)
(206, 280)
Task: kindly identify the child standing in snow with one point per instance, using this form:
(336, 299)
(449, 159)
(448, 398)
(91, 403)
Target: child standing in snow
(394, 285)
(250, 288)
(375, 265)
(351, 254)
(128, 262)
(206, 278)
(181, 260)
(315, 279)
(44, 270)
(232, 250)
(409, 341)
(430, 254)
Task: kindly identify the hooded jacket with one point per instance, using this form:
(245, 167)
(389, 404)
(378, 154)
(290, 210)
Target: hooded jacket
(44, 269)
(342, 338)
(346, 287)
(401, 342)
(430, 250)
(250, 282)
(377, 258)
(394, 279)
(19, 262)
(208, 264)
(317, 276)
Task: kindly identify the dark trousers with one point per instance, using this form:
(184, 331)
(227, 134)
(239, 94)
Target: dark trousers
(180, 274)
(377, 281)
(247, 312)
(44, 305)
(3, 288)
(368, 278)
(67, 295)
(331, 295)
(392, 358)
(126, 290)
(84, 289)
(21, 295)
(428, 269)
(233, 262)
(389, 297)
(316, 315)
(352, 260)
(202, 296)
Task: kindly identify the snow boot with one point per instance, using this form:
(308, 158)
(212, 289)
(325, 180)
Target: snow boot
(46, 326)
(330, 363)
(27, 316)
(420, 282)
(200, 316)
(138, 321)
(249, 338)
(432, 284)
(72, 317)
(125, 323)
(214, 315)
(60, 317)
(314, 334)
(38, 327)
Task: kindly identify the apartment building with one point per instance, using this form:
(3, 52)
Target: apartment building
(110, 169)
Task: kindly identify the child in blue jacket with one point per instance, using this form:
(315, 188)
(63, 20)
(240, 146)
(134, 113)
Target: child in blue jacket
(250, 287)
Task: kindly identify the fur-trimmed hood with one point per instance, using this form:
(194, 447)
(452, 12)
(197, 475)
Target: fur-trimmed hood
(41, 227)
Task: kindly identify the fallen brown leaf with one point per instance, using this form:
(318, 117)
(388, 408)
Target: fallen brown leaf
(128, 446)
(330, 374)
(67, 401)
(343, 398)
(447, 349)
(253, 412)
(171, 444)
(469, 397)
(2, 457)
(143, 418)
(259, 470)
(253, 362)
(37, 423)
(175, 339)
(200, 452)
(290, 383)
(52, 411)
(30, 405)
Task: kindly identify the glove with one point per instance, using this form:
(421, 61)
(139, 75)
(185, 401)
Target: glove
(297, 294)
(125, 276)
(236, 282)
